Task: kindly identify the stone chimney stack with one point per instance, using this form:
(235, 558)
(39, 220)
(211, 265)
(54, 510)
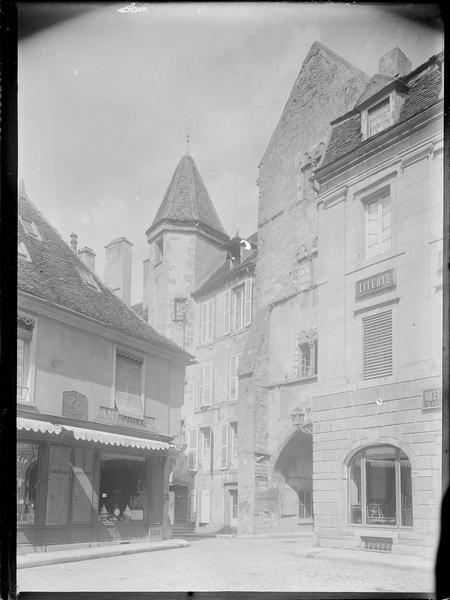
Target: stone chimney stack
(87, 255)
(73, 241)
(118, 268)
(394, 63)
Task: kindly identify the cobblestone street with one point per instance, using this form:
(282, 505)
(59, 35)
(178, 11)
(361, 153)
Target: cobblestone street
(222, 564)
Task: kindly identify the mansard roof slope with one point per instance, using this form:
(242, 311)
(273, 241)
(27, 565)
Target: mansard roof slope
(187, 200)
(53, 274)
(423, 86)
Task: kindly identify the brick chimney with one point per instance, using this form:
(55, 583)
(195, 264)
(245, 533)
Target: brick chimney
(394, 63)
(73, 241)
(118, 268)
(87, 255)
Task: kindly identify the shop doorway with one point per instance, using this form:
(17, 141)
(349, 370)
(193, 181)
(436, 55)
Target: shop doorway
(181, 503)
(293, 476)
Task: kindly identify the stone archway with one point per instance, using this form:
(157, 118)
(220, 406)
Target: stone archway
(292, 474)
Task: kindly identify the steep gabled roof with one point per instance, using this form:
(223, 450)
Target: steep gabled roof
(57, 275)
(424, 86)
(187, 200)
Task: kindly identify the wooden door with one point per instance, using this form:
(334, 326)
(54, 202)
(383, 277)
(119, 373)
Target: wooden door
(181, 504)
(58, 485)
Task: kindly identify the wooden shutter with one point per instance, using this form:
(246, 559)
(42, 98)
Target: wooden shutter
(58, 494)
(207, 384)
(206, 439)
(193, 452)
(205, 506)
(203, 322)
(233, 444)
(224, 447)
(83, 495)
(385, 222)
(227, 311)
(377, 345)
(248, 302)
(210, 315)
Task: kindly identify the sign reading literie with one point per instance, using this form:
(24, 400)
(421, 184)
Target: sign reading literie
(375, 283)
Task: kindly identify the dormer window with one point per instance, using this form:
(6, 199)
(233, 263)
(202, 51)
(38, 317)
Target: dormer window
(31, 228)
(88, 279)
(379, 117)
(23, 252)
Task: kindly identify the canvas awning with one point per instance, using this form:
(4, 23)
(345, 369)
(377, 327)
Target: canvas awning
(92, 435)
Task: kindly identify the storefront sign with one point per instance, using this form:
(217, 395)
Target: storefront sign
(376, 283)
(432, 398)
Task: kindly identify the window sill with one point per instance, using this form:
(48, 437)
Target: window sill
(308, 379)
(374, 260)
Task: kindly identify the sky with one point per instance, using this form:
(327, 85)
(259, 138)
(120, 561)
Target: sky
(106, 99)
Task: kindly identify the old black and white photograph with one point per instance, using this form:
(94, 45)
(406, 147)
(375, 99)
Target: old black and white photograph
(231, 256)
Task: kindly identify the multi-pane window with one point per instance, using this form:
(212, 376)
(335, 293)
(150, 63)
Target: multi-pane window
(233, 378)
(27, 478)
(379, 117)
(378, 224)
(207, 320)
(307, 358)
(204, 384)
(380, 487)
(205, 439)
(238, 307)
(229, 445)
(377, 345)
(24, 335)
(128, 389)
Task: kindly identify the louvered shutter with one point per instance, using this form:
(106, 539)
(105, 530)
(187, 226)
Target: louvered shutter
(377, 345)
(210, 317)
(372, 227)
(205, 506)
(224, 447)
(203, 322)
(248, 302)
(207, 384)
(227, 311)
(193, 454)
(385, 206)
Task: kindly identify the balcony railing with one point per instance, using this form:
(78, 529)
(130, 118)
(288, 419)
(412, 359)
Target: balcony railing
(112, 415)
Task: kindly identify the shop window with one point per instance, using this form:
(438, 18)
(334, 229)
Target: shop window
(207, 321)
(378, 232)
(24, 337)
(123, 489)
(238, 307)
(380, 488)
(27, 465)
(377, 345)
(128, 384)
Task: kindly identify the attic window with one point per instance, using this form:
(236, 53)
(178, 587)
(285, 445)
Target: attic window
(31, 228)
(23, 252)
(88, 279)
(379, 117)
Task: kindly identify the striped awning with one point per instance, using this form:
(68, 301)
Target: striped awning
(92, 435)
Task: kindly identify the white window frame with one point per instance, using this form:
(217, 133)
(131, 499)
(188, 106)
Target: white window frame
(233, 368)
(28, 397)
(134, 356)
(233, 444)
(207, 317)
(193, 449)
(244, 310)
(205, 458)
(365, 116)
(378, 248)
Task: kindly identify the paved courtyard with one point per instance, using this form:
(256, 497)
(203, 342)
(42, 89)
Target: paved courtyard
(216, 564)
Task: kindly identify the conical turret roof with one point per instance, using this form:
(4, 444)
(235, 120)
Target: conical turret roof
(187, 200)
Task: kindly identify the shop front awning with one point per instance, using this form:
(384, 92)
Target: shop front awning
(38, 426)
(92, 435)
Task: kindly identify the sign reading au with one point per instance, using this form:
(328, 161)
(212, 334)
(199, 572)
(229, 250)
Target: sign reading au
(432, 398)
(376, 283)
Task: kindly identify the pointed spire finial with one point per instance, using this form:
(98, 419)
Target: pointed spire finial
(188, 138)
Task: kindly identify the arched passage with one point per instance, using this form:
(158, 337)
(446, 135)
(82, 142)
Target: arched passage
(292, 473)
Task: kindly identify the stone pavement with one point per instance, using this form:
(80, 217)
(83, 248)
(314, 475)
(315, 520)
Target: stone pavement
(241, 564)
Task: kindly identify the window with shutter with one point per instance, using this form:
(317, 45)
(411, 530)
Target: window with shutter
(24, 336)
(206, 437)
(128, 393)
(207, 321)
(233, 429)
(378, 225)
(248, 302)
(205, 384)
(192, 452)
(237, 302)
(224, 447)
(233, 378)
(227, 312)
(377, 345)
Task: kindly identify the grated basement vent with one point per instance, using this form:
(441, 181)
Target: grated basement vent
(378, 544)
